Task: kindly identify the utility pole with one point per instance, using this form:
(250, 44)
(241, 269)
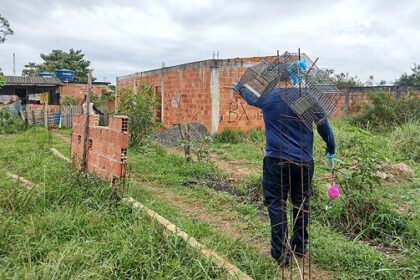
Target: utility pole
(87, 115)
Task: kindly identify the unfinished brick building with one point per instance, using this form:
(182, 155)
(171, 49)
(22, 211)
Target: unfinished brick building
(107, 145)
(201, 92)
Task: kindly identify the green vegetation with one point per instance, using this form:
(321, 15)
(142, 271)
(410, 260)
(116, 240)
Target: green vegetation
(370, 232)
(141, 108)
(238, 136)
(386, 111)
(5, 29)
(67, 100)
(71, 225)
(405, 141)
(410, 79)
(10, 122)
(2, 79)
(59, 59)
(231, 136)
(369, 210)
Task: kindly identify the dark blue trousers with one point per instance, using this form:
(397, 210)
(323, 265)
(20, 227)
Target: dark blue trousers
(282, 178)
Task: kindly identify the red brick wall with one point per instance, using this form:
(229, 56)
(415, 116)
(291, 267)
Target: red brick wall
(234, 112)
(107, 153)
(185, 93)
(187, 97)
(79, 90)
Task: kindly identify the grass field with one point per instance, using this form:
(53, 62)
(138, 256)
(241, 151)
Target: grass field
(71, 226)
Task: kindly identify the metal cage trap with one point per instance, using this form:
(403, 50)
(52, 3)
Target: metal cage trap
(308, 92)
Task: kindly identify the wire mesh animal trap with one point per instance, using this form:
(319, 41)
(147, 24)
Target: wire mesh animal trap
(260, 79)
(308, 92)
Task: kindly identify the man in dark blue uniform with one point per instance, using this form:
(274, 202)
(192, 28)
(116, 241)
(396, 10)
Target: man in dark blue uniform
(287, 169)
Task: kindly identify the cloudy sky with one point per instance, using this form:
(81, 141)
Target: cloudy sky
(380, 38)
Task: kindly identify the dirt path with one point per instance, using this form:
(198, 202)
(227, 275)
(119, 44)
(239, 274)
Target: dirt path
(227, 223)
(66, 138)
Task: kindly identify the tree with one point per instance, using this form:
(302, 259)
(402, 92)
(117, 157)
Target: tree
(2, 79)
(410, 80)
(57, 59)
(342, 80)
(370, 81)
(5, 29)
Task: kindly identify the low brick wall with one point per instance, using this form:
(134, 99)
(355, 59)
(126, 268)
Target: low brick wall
(107, 145)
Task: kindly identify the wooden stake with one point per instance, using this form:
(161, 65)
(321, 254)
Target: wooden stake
(45, 115)
(87, 113)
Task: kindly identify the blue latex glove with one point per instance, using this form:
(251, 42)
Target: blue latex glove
(296, 71)
(330, 157)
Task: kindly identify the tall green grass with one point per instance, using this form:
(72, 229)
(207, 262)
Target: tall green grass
(405, 141)
(72, 226)
(10, 122)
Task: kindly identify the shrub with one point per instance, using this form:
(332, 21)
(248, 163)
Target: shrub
(10, 122)
(108, 96)
(386, 111)
(360, 213)
(231, 136)
(67, 100)
(141, 108)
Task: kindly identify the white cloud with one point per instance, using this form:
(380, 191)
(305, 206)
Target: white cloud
(362, 38)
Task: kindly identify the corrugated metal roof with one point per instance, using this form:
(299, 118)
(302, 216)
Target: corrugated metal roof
(32, 81)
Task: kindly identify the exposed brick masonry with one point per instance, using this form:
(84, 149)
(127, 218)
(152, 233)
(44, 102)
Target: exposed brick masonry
(79, 90)
(107, 146)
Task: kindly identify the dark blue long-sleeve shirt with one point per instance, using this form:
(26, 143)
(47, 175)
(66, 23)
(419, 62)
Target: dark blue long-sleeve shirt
(286, 136)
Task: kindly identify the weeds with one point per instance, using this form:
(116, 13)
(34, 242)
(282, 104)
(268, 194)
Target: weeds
(405, 141)
(238, 136)
(10, 122)
(386, 111)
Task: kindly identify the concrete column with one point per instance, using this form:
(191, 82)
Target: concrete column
(162, 95)
(215, 95)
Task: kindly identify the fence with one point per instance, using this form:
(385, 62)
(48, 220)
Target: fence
(56, 117)
(67, 113)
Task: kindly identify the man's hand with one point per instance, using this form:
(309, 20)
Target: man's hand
(329, 156)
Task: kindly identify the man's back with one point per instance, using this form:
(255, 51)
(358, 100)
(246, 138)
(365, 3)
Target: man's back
(287, 136)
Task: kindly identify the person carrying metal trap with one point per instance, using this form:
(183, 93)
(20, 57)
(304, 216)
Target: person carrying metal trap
(288, 164)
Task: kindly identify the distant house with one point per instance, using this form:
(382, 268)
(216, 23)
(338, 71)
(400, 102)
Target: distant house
(29, 90)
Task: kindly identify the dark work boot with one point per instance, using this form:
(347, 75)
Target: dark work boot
(299, 252)
(282, 260)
